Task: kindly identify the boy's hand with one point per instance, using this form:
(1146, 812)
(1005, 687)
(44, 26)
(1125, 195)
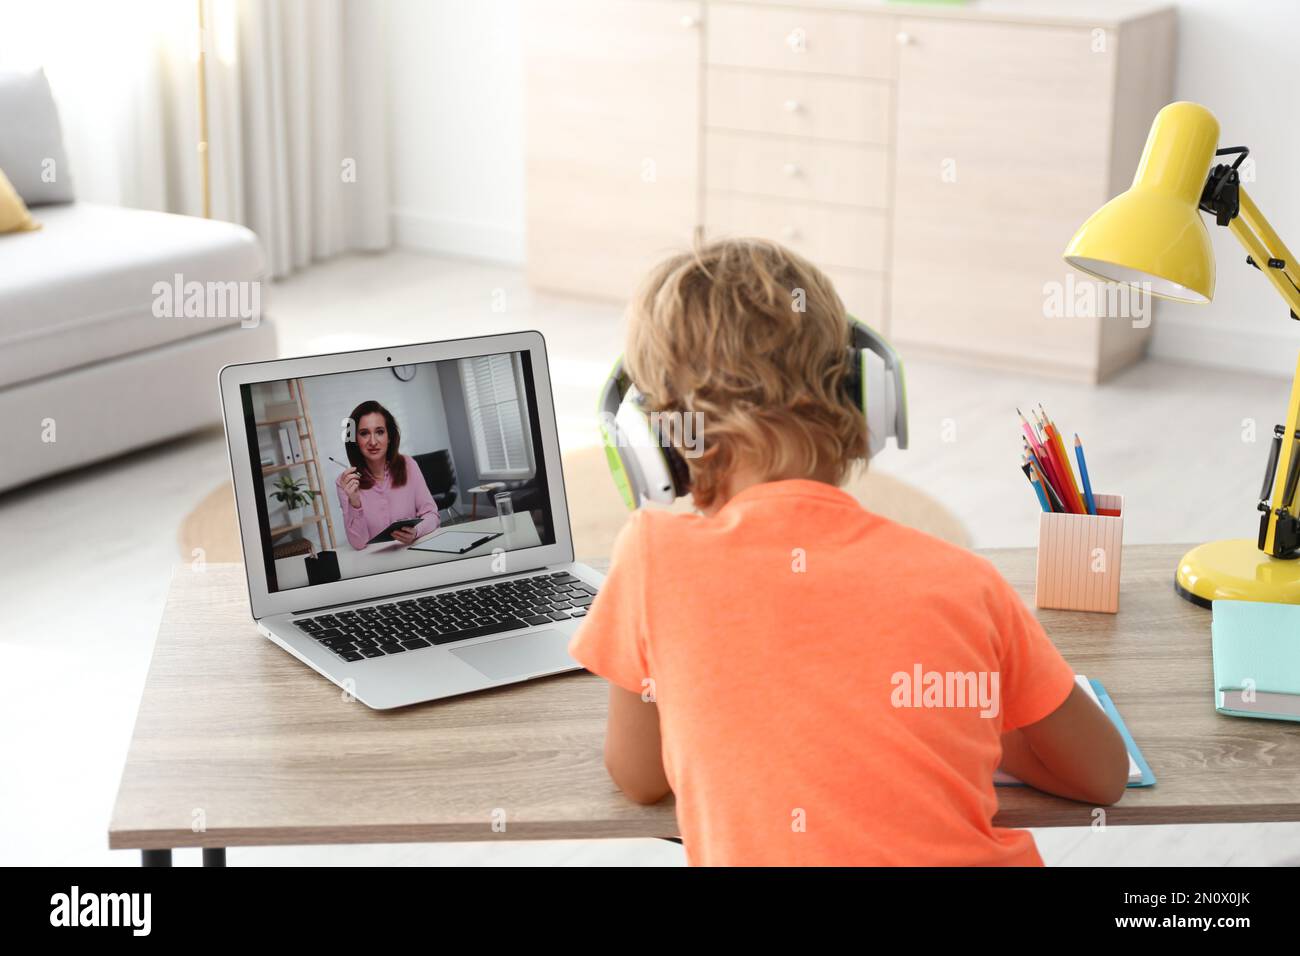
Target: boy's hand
(1074, 752)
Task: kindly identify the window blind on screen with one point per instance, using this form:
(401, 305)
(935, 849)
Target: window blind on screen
(498, 415)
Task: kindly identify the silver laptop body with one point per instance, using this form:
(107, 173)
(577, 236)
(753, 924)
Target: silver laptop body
(465, 394)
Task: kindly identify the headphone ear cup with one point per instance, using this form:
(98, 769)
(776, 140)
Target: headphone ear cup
(679, 470)
(879, 386)
(878, 403)
(855, 383)
(618, 468)
(652, 474)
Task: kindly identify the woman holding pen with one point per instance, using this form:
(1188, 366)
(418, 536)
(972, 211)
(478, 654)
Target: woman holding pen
(382, 485)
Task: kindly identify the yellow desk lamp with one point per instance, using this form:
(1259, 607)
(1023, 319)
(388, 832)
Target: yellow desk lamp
(1152, 236)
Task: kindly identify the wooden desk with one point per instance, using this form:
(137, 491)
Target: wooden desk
(234, 732)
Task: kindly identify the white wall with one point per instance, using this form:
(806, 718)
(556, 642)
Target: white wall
(456, 127)
(456, 98)
(1241, 60)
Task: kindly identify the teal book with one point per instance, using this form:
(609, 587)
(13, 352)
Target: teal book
(1256, 649)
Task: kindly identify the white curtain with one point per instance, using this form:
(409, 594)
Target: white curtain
(296, 111)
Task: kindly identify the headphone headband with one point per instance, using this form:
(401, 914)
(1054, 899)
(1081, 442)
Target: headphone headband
(646, 468)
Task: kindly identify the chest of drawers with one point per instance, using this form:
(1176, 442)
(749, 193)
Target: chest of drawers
(932, 159)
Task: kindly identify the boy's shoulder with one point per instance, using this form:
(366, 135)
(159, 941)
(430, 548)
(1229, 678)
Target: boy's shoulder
(944, 560)
(664, 545)
(914, 539)
(955, 574)
(646, 525)
(881, 535)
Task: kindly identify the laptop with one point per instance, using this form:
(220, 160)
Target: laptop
(483, 591)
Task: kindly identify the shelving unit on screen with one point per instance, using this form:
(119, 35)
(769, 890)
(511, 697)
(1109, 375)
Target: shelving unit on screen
(287, 444)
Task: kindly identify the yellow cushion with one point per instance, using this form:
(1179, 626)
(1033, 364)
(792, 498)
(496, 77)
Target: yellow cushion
(14, 216)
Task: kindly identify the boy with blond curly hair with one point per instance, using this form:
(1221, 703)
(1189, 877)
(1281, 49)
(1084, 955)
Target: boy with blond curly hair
(754, 649)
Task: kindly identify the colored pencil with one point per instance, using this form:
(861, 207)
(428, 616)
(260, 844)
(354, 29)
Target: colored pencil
(1029, 432)
(1031, 472)
(1055, 499)
(1035, 435)
(1059, 444)
(1051, 468)
(1062, 461)
(1038, 490)
(1045, 459)
(1083, 473)
(1069, 494)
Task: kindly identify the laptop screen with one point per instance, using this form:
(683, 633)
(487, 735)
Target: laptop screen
(384, 469)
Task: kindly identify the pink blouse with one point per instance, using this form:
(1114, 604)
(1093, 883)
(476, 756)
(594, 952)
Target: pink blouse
(382, 504)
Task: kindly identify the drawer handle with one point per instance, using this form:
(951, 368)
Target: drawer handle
(689, 21)
(792, 169)
(793, 106)
(903, 38)
(797, 40)
(789, 233)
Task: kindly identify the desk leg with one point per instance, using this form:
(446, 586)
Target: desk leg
(155, 857)
(214, 856)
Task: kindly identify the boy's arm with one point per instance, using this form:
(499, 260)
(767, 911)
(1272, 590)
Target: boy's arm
(633, 752)
(1074, 752)
(609, 642)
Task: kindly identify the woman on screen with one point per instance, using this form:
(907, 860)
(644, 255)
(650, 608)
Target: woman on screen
(383, 485)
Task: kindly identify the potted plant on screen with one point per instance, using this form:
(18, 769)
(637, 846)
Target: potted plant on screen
(294, 494)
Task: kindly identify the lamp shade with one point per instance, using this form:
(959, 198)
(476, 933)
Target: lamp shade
(1153, 233)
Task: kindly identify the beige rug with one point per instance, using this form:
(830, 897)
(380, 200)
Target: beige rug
(596, 511)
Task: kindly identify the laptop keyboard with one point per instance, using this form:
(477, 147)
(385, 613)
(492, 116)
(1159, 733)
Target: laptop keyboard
(399, 626)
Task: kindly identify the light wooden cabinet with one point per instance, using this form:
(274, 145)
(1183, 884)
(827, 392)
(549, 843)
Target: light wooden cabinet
(612, 139)
(798, 138)
(934, 160)
(995, 170)
(800, 38)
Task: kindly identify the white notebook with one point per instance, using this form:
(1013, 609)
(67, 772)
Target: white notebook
(1134, 771)
(455, 542)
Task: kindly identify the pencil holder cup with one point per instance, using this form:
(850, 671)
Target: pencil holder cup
(1079, 558)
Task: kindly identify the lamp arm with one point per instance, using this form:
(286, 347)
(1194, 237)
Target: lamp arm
(1279, 527)
(1267, 250)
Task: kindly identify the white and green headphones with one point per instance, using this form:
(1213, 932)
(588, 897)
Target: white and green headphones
(645, 467)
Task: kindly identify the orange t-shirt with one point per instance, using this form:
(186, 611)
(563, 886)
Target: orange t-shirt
(800, 648)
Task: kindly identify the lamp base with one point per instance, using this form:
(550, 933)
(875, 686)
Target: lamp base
(1236, 570)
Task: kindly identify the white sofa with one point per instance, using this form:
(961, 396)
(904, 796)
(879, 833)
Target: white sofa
(92, 363)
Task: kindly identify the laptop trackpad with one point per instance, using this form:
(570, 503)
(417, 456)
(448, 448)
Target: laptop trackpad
(537, 653)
